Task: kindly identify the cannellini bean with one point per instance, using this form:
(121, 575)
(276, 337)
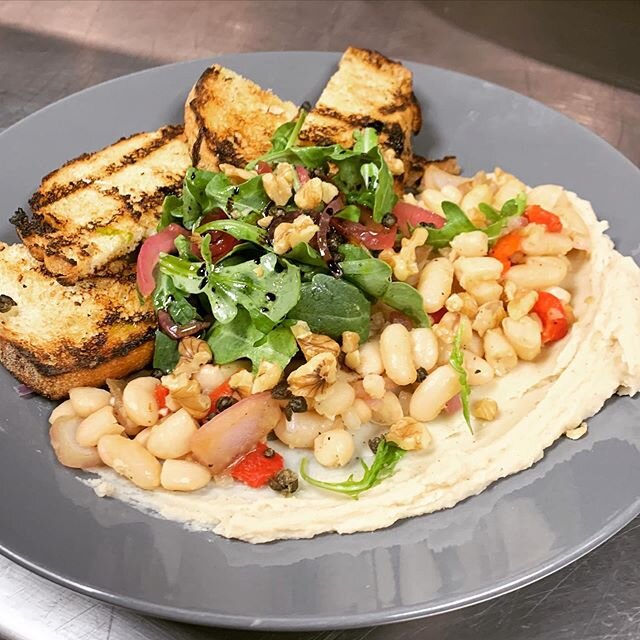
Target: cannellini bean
(69, 453)
(334, 448)
(433, 393)
(435, 284)
(210, 377)
(562, 294)
(87, 400)
(524, 336)
(139, 401)
(63, 410)
(498, 352)
(489, 316)
(479, 193)
(476, 345)
(425, 347)
(484, 292)
(183, 475)
(351, 419)
(479, 371)
(131, 460)
(387, 410)
(432, 199)
(471, 271)
(471, 244)
(302, 429)
(545, 195)
(374, 385)
(397, 354)
(363, 409)
(507, 191)
(337, 399)
(539, 272)
(98, 424)
(143, 436)
(521, 304)
(370, 358)
(171, 438)
(546, 244)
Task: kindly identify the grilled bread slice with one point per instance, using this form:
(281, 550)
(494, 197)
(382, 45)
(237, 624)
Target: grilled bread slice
(229, 119)
(100, 206)
(58, 337)
(367, 90)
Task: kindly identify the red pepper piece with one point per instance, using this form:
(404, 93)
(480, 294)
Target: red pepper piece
(555, 324)
(506, 247)
(223, 390)
(536, 214)
(161, 396)
(255, 469)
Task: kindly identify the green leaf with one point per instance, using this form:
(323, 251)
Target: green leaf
(456, 360)
(405, 298)
(241, 339)
(168, 297)
(330, 306)
(165, 354)
(384, 463)
(350, 212)
(457, 222)
(499, 219)
(186, 275)
(306, 254)
(371, 275)
(171, 211)
(238, 229)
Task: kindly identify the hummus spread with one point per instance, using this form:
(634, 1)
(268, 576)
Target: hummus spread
(539, 402)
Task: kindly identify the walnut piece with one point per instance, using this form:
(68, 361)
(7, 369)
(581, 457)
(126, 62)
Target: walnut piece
(186, 392)
(242, 382)
(313, 377)
(404, 263)
(235, 174)
(350, 341)
(289, 234)
(311, 344)
(267, 377)
(286, 171)
(277, 188)
(396, 166)
(309, 195)
(194, 353)
(409, 434)
(485, 409)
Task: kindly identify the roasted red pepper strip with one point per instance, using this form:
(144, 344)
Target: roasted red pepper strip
(506, 247)
(223, 390)
(536, 214)
(161, 396)
(256, 469)
(555, 324)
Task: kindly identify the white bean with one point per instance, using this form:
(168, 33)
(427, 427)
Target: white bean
(338, 398)
(471, 271)
(476, 345)
(210, 377)
(425, 347)
(487, 291)
(546, 244)
(498, 352)
(374, 385)
(471, 244)
(334, 448)
(479, 193)
(87, 400)
(370, 358)
(397, 354)
(302, 429)
(524, 336)
(183, 475)
(479, 371)
(171, 438)
(143, 436)
(433, 393)
(387, 410)
(510, 189)
(98, 424)
(539, 272)
(69, 453)
(562, 294)
(131, 460)
(139, 401)
(63, 410)
(435, 284)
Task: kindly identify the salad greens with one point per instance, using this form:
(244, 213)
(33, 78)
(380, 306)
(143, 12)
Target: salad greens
(456, 360)
(387, 457)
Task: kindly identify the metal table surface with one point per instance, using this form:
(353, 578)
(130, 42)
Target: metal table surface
(578, 57)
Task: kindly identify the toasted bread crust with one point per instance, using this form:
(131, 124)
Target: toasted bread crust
(56, 386)
(98, 208)
(230, 119)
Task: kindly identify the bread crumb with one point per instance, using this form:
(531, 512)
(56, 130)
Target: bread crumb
(104, 489)
(577, 432)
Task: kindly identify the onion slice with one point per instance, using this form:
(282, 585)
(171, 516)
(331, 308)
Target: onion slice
(409, 215)
(152, 247)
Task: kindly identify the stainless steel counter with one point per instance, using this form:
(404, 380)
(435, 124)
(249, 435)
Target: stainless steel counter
(578, 57)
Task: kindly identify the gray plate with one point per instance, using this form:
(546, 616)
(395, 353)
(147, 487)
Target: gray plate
(517, 531)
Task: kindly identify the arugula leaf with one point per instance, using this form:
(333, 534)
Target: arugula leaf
(165, 354)
(330, 306)
(371, 275)
(405, 298)
(171, 209)
(499, 219)
(457, 222)
(351, 212)
(456, 360)
(168, 297)
(306, 254)
(387, 457)
(238, 229)
(241, 339)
